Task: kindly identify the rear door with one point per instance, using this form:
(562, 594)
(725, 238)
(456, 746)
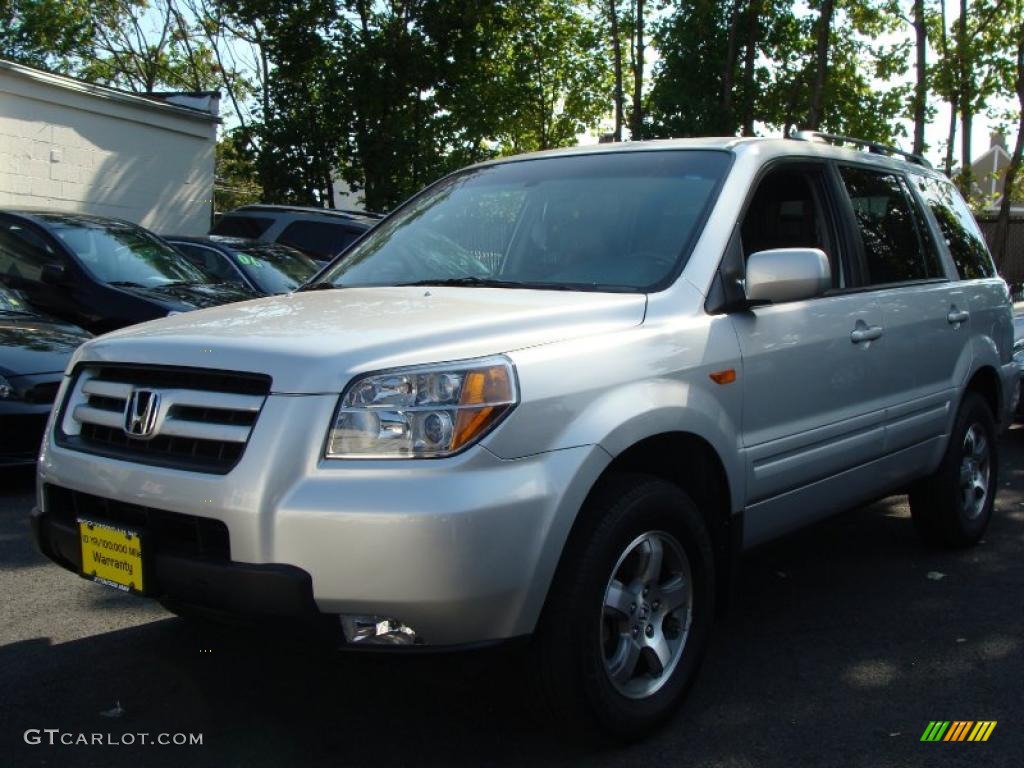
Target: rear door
(924, 313)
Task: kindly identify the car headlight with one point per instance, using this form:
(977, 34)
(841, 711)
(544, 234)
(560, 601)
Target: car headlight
(7, 391)
(423, 411)
(1018, 351)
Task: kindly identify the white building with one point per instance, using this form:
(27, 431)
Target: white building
(72, 146)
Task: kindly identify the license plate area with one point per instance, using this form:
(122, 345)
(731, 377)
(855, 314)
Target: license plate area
(111, 555)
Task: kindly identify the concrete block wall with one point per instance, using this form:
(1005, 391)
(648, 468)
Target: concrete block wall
(71, 147)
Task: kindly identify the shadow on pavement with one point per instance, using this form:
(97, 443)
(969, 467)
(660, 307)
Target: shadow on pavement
(845, 641)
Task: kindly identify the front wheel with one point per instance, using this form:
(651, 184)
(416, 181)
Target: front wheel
(626, 624)
(953, 507)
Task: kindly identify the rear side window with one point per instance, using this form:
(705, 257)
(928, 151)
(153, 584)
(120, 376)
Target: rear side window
(959, 229)
(895, 248)
(23, 254)
(241, 226)
(319, 238)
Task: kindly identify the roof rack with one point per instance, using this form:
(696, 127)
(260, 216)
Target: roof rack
(871, 146)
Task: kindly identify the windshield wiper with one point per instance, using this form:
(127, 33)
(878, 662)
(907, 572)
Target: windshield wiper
(320, 285)
(471, 281)
(126, 284)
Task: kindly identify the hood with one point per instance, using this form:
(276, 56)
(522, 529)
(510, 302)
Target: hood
(314, 341)
(34, 344)
(187, 297)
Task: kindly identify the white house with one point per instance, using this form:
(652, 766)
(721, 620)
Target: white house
(73, 146)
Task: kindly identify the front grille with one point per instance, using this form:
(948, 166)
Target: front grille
(165, 532)
(202, 424)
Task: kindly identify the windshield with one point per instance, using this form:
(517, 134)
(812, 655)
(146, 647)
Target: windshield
(617, 221)
(10, 303)
(123, 254)
(275, 268)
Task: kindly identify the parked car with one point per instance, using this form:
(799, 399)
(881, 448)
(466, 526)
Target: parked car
(555, 396)
(34, 351)
(264, 268)
(1018, 355)
(101, 273)
(321, 233)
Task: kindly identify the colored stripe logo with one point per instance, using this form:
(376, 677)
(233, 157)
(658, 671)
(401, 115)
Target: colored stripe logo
(958, 730)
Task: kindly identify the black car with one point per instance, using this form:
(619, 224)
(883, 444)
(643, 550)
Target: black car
(321, 233)
(101, 273)
(266, 268)
(1018, 355)
(34, 351)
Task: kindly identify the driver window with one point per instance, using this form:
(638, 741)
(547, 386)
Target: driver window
(785, 212)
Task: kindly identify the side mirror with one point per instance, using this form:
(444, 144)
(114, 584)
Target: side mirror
(787, 274)
(54, 274)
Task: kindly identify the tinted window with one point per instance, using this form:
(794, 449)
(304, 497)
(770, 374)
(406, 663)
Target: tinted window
(319, 238)
(23, 254)
(241, 226)
(613, 221)
(784, 213)
(894, 247)
(120, 253)
(210, 261)
(275, 268)
(958, 227)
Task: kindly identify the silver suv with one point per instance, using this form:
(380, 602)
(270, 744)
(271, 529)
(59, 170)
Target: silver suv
(553, 396)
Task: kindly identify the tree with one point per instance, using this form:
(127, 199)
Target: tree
(616, 38)
(920, 103)
(823, 35)
(1012, 180)
(236, 179)
(47, 34)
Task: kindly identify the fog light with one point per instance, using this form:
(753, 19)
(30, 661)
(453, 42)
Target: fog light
(377, 630)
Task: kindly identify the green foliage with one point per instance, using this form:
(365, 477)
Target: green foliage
(236, 178)
(48, 34)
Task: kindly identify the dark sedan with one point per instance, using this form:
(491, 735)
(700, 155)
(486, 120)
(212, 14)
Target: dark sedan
(102, 273)
(1018, 355)
(34, 351)
(267, 268)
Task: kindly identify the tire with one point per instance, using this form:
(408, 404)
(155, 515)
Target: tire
(581, 643)
(953, 507)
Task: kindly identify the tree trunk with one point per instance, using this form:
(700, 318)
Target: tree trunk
(1002, 236)
(821, 64)
(613, 16)
(637, 127)
(947, 164)
(966, 105)
(729, 68)
(921, 86)
(749, 57)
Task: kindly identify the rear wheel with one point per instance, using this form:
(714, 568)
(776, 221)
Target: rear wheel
(626, 624)
(953, 507)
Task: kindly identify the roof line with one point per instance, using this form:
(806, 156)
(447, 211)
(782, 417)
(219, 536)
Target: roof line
(106, 92)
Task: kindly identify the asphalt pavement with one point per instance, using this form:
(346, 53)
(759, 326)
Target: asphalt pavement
(844, 642)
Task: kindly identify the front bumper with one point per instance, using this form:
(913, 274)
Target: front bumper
(461, 549)
(252, 591)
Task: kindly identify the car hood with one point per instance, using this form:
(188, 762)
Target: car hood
(32, 344)
(314, 341)
(187, 297)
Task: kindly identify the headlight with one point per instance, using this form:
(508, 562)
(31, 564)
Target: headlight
(422, 412)
(1018, 351)
(7, 390)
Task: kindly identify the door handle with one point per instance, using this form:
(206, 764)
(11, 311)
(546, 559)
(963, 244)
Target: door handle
(957, 316)
(866, 333)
